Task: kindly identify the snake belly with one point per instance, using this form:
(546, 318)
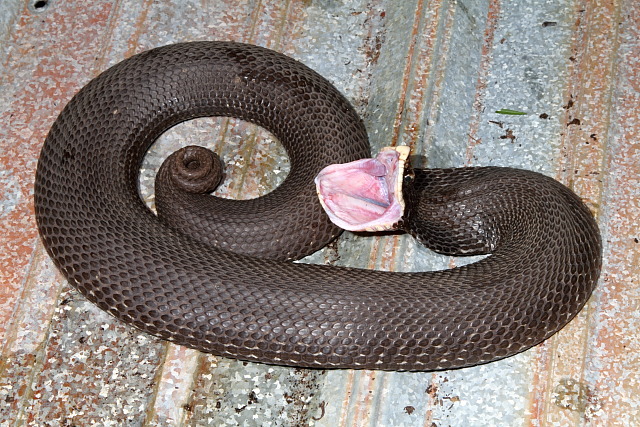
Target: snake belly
(545, 244)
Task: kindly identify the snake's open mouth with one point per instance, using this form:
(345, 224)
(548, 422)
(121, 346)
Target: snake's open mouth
(365, 195)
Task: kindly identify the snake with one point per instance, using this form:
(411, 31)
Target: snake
(208, 288)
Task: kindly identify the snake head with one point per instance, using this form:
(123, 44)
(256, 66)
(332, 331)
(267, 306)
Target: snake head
(365, 195)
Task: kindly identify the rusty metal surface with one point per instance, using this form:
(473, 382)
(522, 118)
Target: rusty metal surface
(428, 73)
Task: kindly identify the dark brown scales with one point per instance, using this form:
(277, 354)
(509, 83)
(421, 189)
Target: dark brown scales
(546, 246)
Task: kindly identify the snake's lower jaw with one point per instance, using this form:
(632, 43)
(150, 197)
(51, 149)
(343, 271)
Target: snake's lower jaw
(365, 195)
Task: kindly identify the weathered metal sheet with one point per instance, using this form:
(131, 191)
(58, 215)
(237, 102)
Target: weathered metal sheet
(426, 73)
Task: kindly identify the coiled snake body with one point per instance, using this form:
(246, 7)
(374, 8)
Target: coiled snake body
(544, 242)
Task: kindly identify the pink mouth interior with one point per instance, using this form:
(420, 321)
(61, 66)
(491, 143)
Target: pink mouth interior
(365, 195)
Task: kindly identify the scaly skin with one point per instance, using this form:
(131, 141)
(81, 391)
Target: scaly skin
(546, 246)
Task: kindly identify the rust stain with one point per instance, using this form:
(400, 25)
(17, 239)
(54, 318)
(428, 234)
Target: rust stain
(172, 386)
(542, 363)
(417, 70)
(374, 39)
(36, 102)
(425, 66)
(615, 348)
(439, 65)
(349, 386)
(293, 26)
(138, 32)
(414, 36)
(431, 391)
(588, 91)
(362, 407)
(493, 17)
